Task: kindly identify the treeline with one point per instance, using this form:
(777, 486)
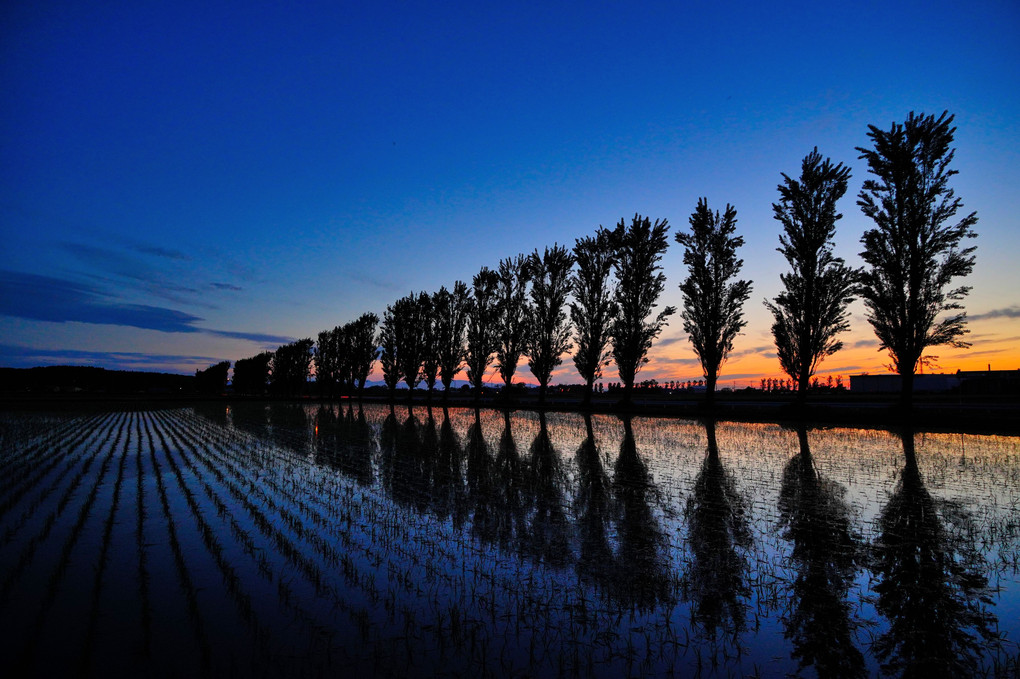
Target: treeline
(599, 299)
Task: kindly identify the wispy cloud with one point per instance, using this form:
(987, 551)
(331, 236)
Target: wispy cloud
(226, 286)
(44, 298)
(1006, 312)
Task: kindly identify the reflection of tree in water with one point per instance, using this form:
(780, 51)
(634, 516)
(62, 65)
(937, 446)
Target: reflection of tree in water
(716, 580)
(448, 495)
(289, 426)
(642, 577)
(251, 417)
(480, 486)
(509, 495)
(549, 537)
(932, 585)
(826, 555)
(344, 441)
(592, 510)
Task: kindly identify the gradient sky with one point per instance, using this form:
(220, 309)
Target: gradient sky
(182, 183)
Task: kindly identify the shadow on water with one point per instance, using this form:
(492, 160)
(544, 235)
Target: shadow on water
(716, 581)
(481, 487)
(826, 555)
(642, 576)
(933, 589)
(509, 495)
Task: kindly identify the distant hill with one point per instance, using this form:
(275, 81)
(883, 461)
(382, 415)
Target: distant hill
(78, 379)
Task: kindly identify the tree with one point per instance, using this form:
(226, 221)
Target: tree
(212, 380)
(251, 375)
(713, 301)
(388, 351)
(594, 308)
(811, 310)
(638, 250)
(481, 330)
(327, 359)
(291, 365)
(430, 343)
(512, 316)
(362, 350)
(410, 316)
(549, 338)
(913, 253)
(451, 317)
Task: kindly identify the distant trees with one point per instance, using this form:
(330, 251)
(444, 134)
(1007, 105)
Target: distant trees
(638, 250)
(251, 375)
(482, 338)
(290, 367)
(328, 358)
(410, 323)
(450, 309)
(914, 252)
(594, 308)
(713, 301)
(513, 316)
(212, 380)
(549, 338)
(811, 310)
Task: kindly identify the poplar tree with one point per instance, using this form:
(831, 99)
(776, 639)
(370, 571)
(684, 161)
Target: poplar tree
(638, 250)
(451, 317)
(481, 331)
(549, 338)
(513, 316)
(594, 308)
(914, 252)
(713, 301)
(811, 310)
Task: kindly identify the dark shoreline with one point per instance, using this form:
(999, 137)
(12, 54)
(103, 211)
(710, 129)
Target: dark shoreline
(975, 415)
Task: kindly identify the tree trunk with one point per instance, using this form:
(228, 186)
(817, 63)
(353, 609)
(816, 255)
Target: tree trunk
(589, 388)
(541, 393)
(803, 383)
(907, 390)
(710, 381)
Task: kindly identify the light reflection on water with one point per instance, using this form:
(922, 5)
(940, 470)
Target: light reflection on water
(766, 548)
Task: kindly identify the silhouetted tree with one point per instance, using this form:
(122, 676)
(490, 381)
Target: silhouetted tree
(328, 360)
(549, 338)
(430, 343)
(811, 310)
(212, 380)
(914, 252)
(713, 302)
(594, 308)
(481, 327)
(638, 250)
(410, 316)
(362, 349)
(451, 317)
(251, 375)
(513, 316)
(388, 351)
(291, 365)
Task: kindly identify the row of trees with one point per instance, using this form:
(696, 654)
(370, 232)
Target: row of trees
(600, 297)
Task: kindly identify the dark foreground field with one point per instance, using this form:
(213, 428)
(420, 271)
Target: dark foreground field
(276, 539)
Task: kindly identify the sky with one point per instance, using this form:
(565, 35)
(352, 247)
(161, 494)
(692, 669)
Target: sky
(183, 183)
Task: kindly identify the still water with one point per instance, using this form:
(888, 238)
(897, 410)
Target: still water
(427, 542)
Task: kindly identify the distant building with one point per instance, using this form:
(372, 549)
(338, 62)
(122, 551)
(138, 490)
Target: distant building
(969, 382)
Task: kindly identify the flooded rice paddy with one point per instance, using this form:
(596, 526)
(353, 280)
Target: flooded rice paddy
(292, 540)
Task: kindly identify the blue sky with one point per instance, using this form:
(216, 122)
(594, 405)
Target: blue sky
(192, 182)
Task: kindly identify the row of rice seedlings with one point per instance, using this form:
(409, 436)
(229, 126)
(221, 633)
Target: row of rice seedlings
(21, 453)
(36, 628)
(18, 480)
(264, 524)
(184, 577)
(84, 665)
(140, 543)
(294, 555)
(19, 565)
(78, 441)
